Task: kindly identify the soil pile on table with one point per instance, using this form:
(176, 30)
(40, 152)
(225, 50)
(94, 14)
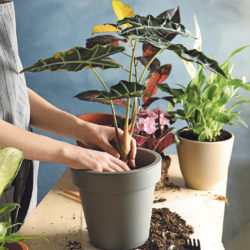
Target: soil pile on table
(168, 231)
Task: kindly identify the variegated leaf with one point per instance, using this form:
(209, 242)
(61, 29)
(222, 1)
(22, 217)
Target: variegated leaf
(92, 94)
(150, 26)
(78, 58)
(174, 16)
(124, 89)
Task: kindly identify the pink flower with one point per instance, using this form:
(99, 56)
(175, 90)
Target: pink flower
(146, 113)
(149, 126)
(145, 124)
(159, 111)
(163, 121)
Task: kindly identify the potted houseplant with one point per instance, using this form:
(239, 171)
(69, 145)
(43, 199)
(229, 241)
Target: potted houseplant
(118, 206)
(204, 147)
(10, 162)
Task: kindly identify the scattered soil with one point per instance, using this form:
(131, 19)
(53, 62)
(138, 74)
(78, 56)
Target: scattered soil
(221, 198)
(73, 245)
(167, 230)
(159, 200)
(190, 135)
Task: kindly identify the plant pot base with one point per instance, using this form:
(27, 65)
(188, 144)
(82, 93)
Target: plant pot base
(118, 206)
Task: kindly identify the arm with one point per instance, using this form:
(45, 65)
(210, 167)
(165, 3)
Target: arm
(42, 148)
(47, 117)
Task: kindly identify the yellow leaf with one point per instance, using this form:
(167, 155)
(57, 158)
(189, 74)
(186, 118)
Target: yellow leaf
(122, 10)
(104, 28)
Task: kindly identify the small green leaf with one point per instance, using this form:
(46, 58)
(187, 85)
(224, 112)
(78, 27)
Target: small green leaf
(238, 103)
(176, 140)
(124, 89)
(193, 94)
(174, 92)
(15, 237)
(7, 208)
(209, 92)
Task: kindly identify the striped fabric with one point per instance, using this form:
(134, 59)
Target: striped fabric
(14, 108)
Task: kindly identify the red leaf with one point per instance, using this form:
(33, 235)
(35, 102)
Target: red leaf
(156, 77)
(165, 142)
(149, 50)
(140, 140)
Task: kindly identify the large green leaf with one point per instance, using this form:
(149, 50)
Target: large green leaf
(150, 26)
(7, 208)
(124, 89)
(10, 162)
(78, 58)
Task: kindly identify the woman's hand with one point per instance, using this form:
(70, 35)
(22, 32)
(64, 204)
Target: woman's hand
(88, 159)
(100, 137)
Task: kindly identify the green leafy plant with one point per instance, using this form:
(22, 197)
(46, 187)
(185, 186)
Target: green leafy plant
(205, 101)
(10, 162)
(155, 34)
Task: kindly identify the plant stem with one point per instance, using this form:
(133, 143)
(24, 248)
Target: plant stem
(112, 109)
(146, 67)
(127, 129)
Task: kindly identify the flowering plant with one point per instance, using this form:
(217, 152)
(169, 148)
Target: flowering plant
(155, 34)
(152, 129)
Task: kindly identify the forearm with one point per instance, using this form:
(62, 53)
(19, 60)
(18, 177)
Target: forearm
(34, 146)
(46, 116)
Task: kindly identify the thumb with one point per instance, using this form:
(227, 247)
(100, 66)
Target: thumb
(107, 147)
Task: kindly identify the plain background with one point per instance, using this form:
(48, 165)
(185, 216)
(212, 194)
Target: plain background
(47, 26)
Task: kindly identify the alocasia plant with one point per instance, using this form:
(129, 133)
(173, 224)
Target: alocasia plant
(156, 35)
(204, 101)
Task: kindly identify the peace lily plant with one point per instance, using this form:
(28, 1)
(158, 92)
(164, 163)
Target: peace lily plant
(10, 162)
(155, 34)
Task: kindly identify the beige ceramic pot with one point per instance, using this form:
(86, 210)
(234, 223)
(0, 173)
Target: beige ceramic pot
(204, 165)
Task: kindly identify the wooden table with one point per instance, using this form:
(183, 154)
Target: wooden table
(60, 219)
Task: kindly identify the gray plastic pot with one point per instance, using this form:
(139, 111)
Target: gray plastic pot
(118, 206)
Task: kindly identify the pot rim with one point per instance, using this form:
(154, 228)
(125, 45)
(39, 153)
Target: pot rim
(206, 142)
(134, 171)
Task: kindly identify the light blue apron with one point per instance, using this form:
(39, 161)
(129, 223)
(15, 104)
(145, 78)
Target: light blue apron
(14, 108)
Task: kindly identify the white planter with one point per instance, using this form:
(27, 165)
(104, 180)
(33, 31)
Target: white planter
(204, 164)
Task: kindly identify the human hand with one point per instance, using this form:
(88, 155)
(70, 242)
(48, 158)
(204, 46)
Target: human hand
(101, 137)
(87, 159)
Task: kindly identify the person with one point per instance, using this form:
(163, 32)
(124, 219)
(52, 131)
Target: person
(21, 108)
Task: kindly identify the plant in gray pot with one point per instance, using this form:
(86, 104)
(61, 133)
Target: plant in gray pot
(204, 148)
(118, 206)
